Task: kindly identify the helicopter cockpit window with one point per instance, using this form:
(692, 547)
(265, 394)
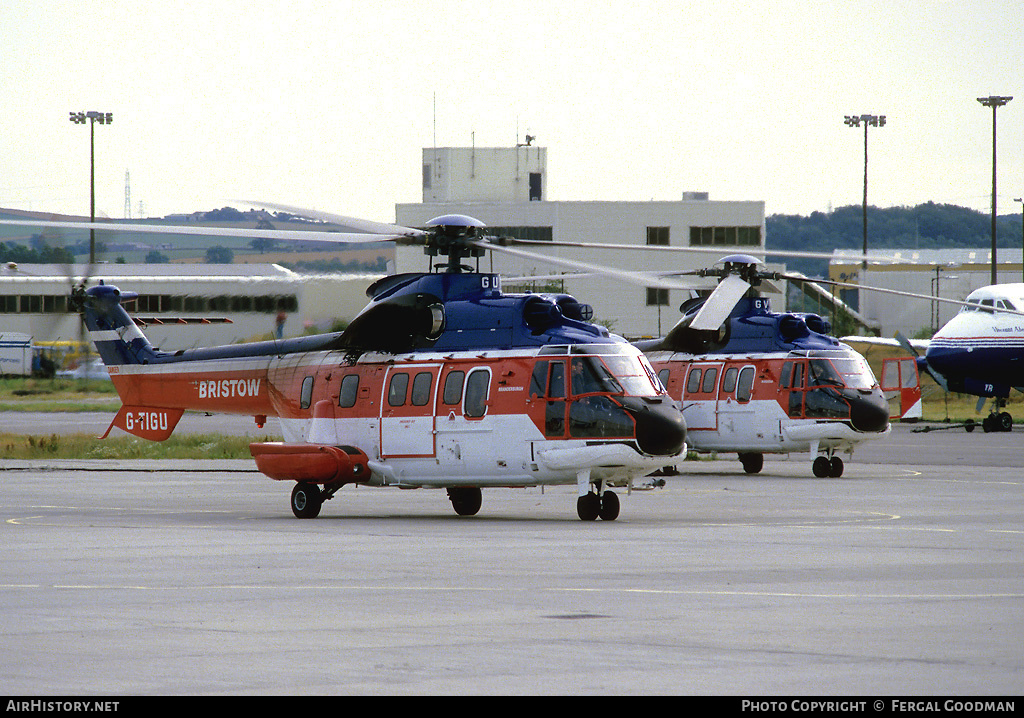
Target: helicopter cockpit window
(632, 375)
(787, 375)
(843, 369)
(822, 373)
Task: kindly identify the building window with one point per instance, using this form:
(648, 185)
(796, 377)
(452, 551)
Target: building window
(725, 236)
(657, 236)
(539, 234)
(427, 171)
(657, 297)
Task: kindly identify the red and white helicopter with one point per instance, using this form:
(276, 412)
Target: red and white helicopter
(755, 382)
(441, 381)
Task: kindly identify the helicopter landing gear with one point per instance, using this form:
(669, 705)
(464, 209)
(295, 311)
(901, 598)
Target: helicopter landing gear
(593, 504)
(466, 501)
(752, 462)
(825, 467)
(306, 500)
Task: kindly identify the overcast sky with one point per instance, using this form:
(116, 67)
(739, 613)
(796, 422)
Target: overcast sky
(328, 105)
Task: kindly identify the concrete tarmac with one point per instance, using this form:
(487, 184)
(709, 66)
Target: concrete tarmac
(901, 578)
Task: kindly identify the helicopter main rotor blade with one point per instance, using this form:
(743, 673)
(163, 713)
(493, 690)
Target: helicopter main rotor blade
(639, 278)
(355, 223)
(719, 249)
(719, 305)
(286, 234)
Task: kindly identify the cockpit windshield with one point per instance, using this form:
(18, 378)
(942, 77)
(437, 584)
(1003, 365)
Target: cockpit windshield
(616, 374)
(842, 369)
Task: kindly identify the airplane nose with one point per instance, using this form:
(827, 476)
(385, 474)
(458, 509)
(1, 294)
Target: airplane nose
(869, 413)
(660, 428)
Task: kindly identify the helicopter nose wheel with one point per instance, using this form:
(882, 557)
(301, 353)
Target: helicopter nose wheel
(825, 467)
(592, 506)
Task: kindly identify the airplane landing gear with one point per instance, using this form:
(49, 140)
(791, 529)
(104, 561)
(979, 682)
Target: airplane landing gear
(1001, 421)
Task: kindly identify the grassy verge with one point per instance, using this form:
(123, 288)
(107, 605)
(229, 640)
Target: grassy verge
(86, 446)
(64, 395)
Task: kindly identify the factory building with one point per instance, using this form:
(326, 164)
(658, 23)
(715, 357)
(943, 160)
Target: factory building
(506, 189)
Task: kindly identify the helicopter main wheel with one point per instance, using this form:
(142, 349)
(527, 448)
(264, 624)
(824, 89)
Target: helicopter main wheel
(1004, 421)
(466, 501)
(835, 467)
(752, 463)
(609, 510)
(306, 500)
(588, 507)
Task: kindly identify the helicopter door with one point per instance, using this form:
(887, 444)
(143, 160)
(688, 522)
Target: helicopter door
(700, 395)
(407, 411)
(736, 415)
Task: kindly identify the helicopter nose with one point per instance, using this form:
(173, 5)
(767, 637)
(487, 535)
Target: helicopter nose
(660, 428)
(869, 413)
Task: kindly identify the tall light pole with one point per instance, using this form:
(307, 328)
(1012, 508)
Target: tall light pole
(104, 118)
(995, 102)
(872, 121)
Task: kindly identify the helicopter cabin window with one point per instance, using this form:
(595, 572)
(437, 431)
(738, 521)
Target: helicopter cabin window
(453, 388)
(306, 395)
(729, 380)
(478, 385)
(397, 389)
(349, 390)
(663, 376)
(745, 386)
(693, 381)
(421, 389)
(710, 377)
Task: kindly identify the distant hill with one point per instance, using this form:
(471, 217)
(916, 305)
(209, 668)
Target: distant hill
(926, 226)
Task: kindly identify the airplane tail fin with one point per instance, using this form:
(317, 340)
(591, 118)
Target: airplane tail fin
(118, 340)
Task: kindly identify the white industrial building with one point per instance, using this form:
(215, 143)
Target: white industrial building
(34, 300)
(940, 273)
(506, 189)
